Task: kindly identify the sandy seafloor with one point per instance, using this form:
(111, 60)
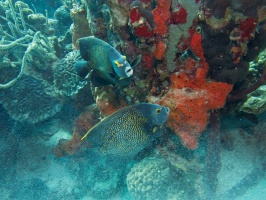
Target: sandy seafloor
(29, 170)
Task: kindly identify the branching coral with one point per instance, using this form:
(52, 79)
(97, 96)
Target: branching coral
(15, 43)
(39, 80)
(17, 32)
(20, 20)
(40, 56)
(8, 47)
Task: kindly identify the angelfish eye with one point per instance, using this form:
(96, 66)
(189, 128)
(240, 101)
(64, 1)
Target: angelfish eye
(158, 110)
(198, 29)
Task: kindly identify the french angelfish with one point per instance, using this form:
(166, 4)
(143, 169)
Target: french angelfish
(107, 64)
(129, 130)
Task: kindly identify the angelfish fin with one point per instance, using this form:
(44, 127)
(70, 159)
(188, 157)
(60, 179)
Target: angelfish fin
(82, 68)
(97, 80)
(136, 61)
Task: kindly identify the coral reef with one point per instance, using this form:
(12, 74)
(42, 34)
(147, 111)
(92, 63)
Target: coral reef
(65, 79)
(80, 27)
(175, 34)
(21, 20)
(190, 99)
(30, 65)
(168, 150)
(150, 177)
(256, 101)
(160, 49)
(229, 61)
(140, 25)
(39, 57)
(30, 81)
(39, 104)
(62, 15)
(107, 100)
(253, 97)
(84, 122)
(199, 58)
(18, 29)
(162, 16)
(168, 36)
(179, 15)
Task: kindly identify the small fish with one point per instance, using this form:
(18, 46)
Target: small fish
(127, 131)
(105, 61)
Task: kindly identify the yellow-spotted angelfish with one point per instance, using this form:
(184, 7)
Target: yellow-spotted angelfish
(129, 130)
(103, 62)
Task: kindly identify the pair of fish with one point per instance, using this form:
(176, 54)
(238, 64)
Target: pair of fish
(102, 63)
(129, 130)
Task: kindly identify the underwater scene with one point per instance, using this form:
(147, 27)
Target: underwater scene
(133, 100)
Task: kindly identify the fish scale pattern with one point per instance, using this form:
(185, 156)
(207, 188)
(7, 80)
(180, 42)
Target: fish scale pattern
(127, 131)
(118, 133)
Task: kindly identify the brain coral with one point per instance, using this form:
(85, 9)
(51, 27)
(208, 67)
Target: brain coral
(150, 178)
(66, 80)
(30, 100)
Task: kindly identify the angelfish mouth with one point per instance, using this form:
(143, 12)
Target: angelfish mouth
(167, 110)
(129, 71)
